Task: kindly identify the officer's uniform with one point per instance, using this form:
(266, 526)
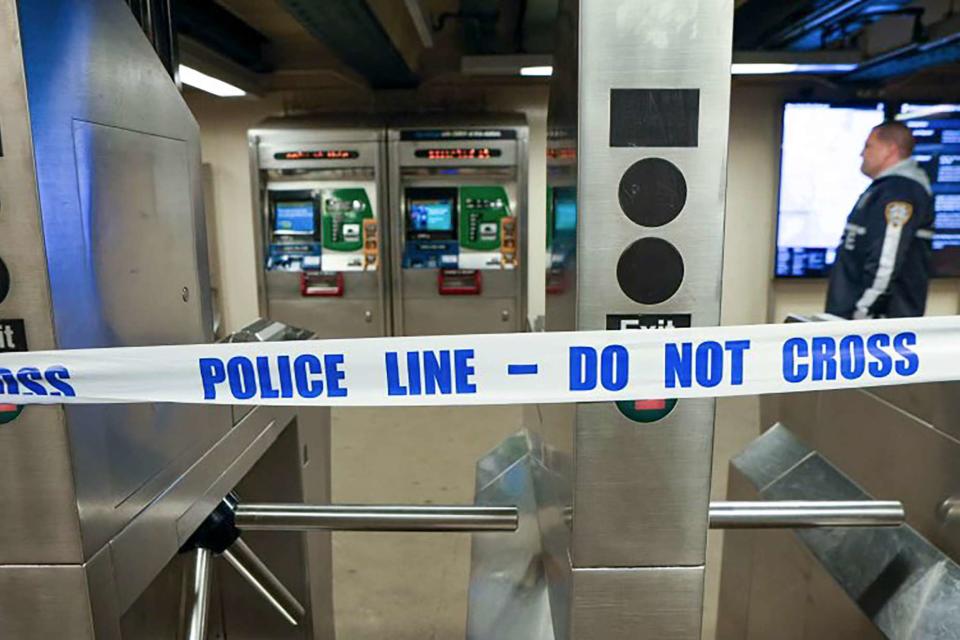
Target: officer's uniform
(883, 260)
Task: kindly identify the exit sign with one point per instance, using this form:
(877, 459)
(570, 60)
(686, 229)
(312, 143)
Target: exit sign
(13, 336)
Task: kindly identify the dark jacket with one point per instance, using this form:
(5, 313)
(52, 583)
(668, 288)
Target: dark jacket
(883, 261)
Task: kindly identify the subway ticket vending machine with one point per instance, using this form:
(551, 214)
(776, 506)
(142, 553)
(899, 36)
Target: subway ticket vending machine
(458, 195)
(561, 223)
(318, 194)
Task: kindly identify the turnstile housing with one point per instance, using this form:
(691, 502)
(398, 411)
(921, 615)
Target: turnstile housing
(898, 441)
(102, 231)
(639, 114)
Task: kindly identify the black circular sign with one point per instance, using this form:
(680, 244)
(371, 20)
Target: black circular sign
(4, 281)
(650, 271)
(652, 192)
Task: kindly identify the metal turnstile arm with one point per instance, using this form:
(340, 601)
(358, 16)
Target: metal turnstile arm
(219, 535)
(802, 514)
(256, 573)
(305, 517)
(195, 596)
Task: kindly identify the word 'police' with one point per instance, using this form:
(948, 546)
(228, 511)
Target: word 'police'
(274, 377)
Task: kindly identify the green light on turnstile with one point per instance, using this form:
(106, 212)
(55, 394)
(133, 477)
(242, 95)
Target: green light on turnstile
(646, 410)
(9, 412)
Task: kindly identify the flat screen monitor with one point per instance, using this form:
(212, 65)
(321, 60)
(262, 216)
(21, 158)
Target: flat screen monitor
(431, 213)
(936, 129)
(820, 182)
(294, 217)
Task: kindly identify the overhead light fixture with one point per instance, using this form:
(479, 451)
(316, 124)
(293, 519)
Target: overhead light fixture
(778, 68)
(200, 80)
(527, 65)
(543, 71)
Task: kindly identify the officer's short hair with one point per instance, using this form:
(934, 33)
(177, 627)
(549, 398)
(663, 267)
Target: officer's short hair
(899, 134)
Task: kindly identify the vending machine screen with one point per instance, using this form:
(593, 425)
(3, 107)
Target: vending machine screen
(294, 217)
(431, 216)
(431, 213)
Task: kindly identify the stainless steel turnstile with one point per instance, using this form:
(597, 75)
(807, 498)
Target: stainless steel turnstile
(319, 218)
(458, 193)
(613, 498)
(101, 233)
(851, 444)
(622, 490)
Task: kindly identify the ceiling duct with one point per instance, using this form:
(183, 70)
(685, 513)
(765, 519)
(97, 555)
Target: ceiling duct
(806, 25)
(216, 28)
(909, 59)
(353, 33)
(504, 27)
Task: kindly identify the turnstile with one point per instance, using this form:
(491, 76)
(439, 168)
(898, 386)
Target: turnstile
(848, 444)
(102, 245)
(319, 203)
(458, 206)
(623, 488)
(614, 497)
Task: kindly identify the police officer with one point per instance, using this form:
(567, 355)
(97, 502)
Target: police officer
(883, 260)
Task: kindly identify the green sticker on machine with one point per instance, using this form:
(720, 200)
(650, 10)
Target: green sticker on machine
(344, 211)
(481, 209)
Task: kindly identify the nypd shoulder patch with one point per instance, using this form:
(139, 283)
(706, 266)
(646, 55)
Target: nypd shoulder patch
(898, 213)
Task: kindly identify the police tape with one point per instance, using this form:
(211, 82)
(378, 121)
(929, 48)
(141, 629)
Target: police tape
(589, 366)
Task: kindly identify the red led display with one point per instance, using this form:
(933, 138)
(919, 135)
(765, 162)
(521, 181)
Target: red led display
(562, 153)
(320, 154)
(458, 153)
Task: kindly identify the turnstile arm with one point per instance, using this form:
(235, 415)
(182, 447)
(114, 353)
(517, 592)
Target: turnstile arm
(802, 514)
(305, 517)
(256, 573)
(195, 596)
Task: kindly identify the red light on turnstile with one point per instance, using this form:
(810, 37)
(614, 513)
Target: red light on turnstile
(649, 405)
(9, 412)
(646, 411)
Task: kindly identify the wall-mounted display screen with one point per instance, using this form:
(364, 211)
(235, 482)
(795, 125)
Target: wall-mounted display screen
(431, 215)
(936, 128)
(294, 217)
(459, 153)
(317, 154)
(820, 180)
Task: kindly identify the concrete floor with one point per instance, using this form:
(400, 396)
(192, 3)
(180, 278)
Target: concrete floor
(414, 586)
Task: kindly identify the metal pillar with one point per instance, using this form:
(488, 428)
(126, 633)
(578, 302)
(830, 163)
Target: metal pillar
(643, 87)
